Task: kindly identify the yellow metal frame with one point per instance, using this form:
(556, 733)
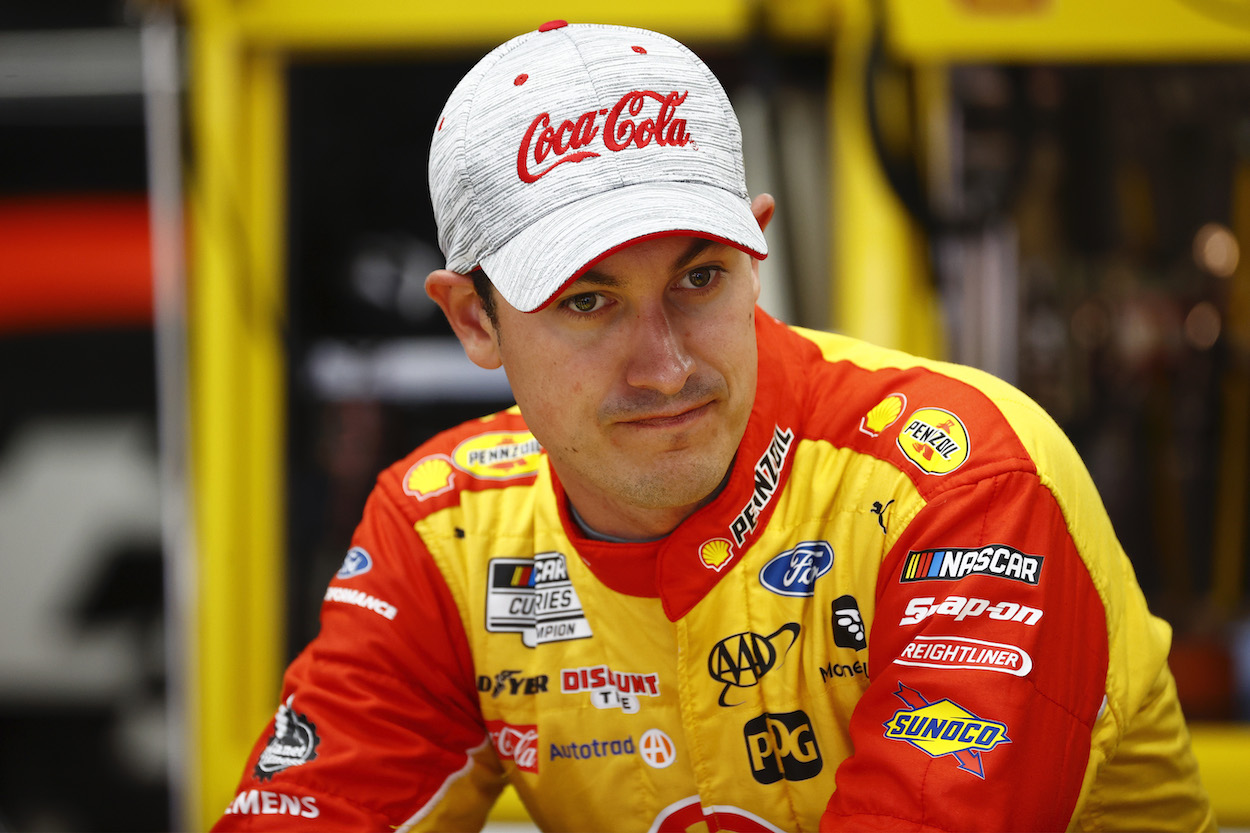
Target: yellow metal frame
(1069, 30)
(238, 54)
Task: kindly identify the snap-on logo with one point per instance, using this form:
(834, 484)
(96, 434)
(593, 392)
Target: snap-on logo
(568, 140)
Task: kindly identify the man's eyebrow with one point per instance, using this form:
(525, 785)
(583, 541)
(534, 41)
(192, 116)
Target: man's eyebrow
(696, 247)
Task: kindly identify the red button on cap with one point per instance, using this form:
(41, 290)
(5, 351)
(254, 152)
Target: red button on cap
(553, 24)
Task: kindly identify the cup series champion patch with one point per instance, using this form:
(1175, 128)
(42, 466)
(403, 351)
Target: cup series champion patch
(294, 742)
(535, 598)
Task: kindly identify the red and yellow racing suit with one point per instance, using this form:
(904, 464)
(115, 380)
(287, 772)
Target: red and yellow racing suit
(906, 609)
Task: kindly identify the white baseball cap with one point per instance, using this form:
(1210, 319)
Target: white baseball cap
(571, 142)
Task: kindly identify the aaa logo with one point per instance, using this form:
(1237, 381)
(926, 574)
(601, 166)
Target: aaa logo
(741, 660)
(944, 728)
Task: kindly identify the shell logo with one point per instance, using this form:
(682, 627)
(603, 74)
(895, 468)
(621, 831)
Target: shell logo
(935, 440)
(884, 414)
(499, 455)
(429, 476)
(716, 553)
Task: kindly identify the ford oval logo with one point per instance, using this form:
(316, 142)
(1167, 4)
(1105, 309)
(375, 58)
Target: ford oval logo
(794, 572)
(357, 561)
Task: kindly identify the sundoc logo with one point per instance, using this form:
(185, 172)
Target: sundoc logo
(794, 572)
(356, 562)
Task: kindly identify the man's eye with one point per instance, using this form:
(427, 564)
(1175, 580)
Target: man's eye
(586, 302)
(700, 278)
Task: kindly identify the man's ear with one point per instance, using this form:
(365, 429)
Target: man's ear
(455, 295)
(763, 207)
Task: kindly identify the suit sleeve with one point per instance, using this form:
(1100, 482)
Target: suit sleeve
(988, 660)
(378, 725)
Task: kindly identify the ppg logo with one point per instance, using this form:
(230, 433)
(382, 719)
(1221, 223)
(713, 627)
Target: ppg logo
(782, 746)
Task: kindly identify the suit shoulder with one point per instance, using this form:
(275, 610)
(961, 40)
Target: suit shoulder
(492, 452)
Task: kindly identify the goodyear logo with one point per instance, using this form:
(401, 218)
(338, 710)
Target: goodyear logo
(943, 729)
(935, 440)
(499, 455)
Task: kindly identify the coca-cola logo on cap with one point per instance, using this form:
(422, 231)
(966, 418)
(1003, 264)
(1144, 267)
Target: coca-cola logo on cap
(515, 743)
(545, 146)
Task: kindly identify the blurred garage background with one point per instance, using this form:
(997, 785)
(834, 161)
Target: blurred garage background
(214, 228)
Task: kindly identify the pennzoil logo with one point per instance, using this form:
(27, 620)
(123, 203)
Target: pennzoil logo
(945, 728)
(935, 440)
(767, 470)
(499, 455)
(429, 477)
(884, 414)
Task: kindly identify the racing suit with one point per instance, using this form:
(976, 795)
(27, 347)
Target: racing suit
(906, 609)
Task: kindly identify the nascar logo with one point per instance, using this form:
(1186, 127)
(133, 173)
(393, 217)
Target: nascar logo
(953, 564)
(945, 728)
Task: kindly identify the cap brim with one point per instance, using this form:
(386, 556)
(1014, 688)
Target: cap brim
(555, 250)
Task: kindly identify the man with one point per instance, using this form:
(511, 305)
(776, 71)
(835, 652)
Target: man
(711, 570)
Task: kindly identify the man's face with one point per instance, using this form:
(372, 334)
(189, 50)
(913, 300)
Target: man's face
(639, 378)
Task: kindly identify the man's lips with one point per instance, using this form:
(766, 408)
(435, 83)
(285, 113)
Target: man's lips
(668, 419)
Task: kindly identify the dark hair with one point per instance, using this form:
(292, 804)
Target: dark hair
(486, 292)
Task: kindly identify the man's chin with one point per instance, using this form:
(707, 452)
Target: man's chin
(674, 486)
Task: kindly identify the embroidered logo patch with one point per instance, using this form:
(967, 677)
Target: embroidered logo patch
(935, 440)
(945, 728)
(294, 742)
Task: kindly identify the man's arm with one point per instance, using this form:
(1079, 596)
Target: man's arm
(378, 725)
(989, 656)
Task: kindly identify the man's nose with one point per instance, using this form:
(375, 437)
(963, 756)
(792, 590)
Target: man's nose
(660, 360)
